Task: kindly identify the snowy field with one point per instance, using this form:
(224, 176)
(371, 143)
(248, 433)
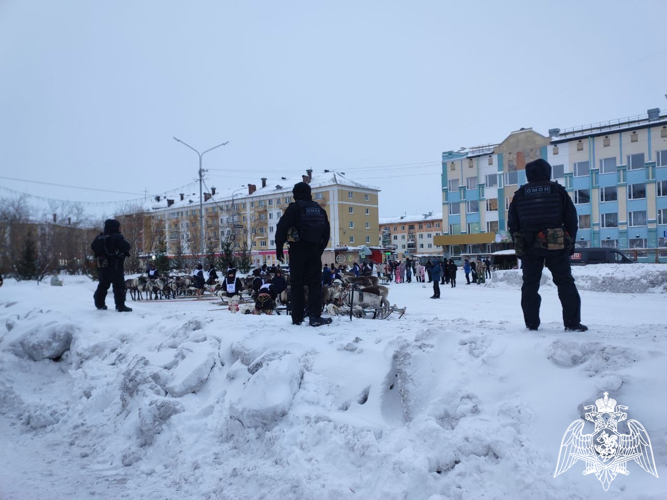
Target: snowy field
(456, 400)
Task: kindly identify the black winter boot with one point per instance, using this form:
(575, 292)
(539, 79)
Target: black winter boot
(123, 308)
(576, 328)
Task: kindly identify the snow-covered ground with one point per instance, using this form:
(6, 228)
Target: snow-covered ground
(455, 400)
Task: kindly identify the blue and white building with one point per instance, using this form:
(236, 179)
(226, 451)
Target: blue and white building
(615, 172)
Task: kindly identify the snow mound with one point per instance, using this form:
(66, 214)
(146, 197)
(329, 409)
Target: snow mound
(196, 362)
(48, 342)
(267, 397)
(614, 278)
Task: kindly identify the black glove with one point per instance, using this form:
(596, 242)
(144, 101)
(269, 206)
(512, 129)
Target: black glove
(280, 255)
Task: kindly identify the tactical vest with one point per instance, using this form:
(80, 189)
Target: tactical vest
(312, 222)
(540, 207)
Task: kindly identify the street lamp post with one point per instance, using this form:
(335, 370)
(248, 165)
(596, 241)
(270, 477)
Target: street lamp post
(201, 201)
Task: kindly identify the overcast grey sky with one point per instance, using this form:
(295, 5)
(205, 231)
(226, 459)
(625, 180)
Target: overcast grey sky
(92, 92)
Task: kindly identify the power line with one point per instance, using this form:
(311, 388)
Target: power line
(66, 185)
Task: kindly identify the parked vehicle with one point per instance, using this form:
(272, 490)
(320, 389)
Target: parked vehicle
(584, 256)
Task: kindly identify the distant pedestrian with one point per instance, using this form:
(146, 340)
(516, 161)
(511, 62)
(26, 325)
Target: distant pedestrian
(435, 274)
(473, 271)
(452, 272)
(487, 263)
(481, 272)
(110, 249)
(466, 270)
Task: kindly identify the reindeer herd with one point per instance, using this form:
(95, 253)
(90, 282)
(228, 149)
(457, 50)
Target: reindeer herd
(362, 293)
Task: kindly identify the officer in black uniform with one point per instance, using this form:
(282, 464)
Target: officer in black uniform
(543, 222)
(306, 226)
(110, 249)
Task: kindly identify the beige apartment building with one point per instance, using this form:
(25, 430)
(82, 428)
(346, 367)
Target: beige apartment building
(248, 216)
(411, 235)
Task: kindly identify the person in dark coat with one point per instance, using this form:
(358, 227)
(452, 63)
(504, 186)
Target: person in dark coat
(488, 267)
(429, 266)
(198, 279)
(452, 272)
(212, 276)
(326, 276)
(153, 273)
(473, 271)
(279, 283)
(110, 249)
(257, 282)
(306, 226)
(232, 284)
(445, 271)
(543, 223)
(435, 274)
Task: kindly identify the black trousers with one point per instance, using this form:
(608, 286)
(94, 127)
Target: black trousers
(110, 276)
(453, 281)
(558, 262)
(436, 288)
(305, 265)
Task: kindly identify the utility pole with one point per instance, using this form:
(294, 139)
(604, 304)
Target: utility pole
(201, 196)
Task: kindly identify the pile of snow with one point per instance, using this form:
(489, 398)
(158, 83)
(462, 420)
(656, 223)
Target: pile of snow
(614, 278)
(185, 400)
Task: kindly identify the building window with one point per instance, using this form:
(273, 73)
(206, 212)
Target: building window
(558, 171)
(368, 239)
(608, 194)
(662, 188)
(492, 226)
(366, 197)
(582, 196)
(581, 169)
(473, 228)
(661, 158)
(430, 245)
(662, 216)
(252, 204)
(402, 228)
(472, 207)
(637, 242)
(351, 224)
(402, 236)
(350, 195)
(608, 165)
(634, 137)
(368, 211)
(609, 243)
(351, 239)
(270, 215)
(350, 210)
(421, 236)
(395, 228)
(411, 227)
(421, 245)
(491, 180)
(262, 243)
(319, 196)
(637, 218)
(270, 202)
(584, 222)
(428, 225)
(455, 208)
(453, 184)
(507, 204)
(635, 162)
(471, 183)
(285, 200)
(429, 235)
(368, 225)
(490, 160)
(609, 220)
(437, 224)
(636, 191)
(511, 178)
(455, 229)
(492, 205)
(395, 237)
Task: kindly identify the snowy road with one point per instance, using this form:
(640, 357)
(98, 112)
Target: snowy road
(455, 400)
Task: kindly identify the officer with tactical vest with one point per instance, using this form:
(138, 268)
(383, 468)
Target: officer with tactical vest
(543, 223)
(305, 226)
(110, 249)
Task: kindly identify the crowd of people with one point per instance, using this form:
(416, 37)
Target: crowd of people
(436, 271)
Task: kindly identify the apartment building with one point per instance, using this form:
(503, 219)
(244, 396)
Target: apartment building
(614, 172)
(248, 215)
(411, 235)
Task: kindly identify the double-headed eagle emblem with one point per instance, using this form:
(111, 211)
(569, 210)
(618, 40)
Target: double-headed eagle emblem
(605, 451)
